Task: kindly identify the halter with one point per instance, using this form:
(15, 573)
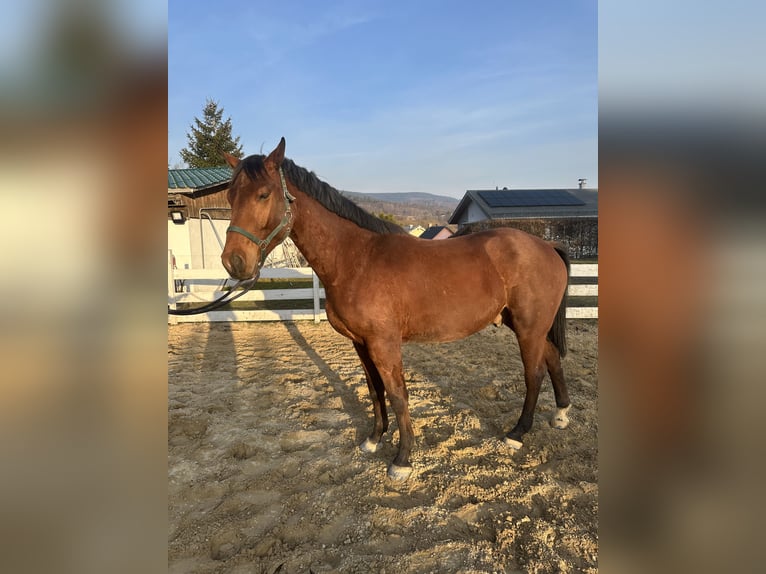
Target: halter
(287, 220)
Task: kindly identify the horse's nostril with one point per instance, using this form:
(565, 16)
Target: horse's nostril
(239, 264)
(234, 264)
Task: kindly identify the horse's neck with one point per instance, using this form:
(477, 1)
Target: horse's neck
(328, 241)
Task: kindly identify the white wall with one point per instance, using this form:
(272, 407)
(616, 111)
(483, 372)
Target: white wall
(203, 239)
(474, 213)
(178, 242)
(471, 214)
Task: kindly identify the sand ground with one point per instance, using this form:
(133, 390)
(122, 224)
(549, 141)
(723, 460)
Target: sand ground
(264, 473)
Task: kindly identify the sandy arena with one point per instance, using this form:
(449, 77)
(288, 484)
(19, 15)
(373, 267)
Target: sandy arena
(265, 474)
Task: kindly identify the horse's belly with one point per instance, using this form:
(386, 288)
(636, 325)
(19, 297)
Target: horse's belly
(449, 323)
(416, 310)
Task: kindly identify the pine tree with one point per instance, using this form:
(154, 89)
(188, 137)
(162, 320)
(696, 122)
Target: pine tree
(210, 138)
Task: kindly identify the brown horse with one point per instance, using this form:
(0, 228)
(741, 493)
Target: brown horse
(385, 287)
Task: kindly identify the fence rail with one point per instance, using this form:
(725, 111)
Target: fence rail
(315, 293)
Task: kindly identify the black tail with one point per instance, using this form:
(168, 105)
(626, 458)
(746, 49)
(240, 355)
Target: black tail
(558, 332)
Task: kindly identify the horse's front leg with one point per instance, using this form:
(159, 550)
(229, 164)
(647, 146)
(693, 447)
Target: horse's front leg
(387, 358)
(377, 394)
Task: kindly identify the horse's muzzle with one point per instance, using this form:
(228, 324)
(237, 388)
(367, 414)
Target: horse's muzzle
(237, 266)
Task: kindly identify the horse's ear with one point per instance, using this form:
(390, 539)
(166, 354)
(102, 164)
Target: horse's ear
(231, 160)
(278, 155)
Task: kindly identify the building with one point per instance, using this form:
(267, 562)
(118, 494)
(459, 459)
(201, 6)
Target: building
(198, 215)
(569, 216)
(194, 189)
(437, 232)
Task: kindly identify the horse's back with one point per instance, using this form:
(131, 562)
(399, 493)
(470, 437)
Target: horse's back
(517, 254)
(491, 260)
(447, 289)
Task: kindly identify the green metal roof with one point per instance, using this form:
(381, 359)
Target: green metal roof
(198, 178)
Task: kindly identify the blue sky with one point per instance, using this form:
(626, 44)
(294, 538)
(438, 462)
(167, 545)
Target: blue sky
(433, 96)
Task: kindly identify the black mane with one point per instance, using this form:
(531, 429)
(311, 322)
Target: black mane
(325, 194)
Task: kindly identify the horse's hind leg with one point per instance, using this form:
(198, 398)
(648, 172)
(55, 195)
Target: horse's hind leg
(560, 420)
(532, 356)
(377, 394)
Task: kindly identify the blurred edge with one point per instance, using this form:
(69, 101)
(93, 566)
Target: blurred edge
(83, 118)
(682, 287)
(682, 336)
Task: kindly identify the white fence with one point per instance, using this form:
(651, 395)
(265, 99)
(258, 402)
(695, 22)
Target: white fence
(210, 277)
(583, 270)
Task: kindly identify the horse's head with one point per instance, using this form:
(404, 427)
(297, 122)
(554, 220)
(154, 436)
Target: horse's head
(260, 212)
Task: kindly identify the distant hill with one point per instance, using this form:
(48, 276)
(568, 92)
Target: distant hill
(407, 208)
(405, 197)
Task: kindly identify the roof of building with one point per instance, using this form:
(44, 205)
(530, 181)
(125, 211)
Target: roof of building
(190, 180)
(433, 231)
(529, 203)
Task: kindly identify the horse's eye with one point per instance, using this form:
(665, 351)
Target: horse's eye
(264, 195)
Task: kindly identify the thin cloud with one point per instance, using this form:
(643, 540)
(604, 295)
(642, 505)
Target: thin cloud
(398, 96)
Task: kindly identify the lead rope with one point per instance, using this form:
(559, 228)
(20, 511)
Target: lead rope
(224, 299)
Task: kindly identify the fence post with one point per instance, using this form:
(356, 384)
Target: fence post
(171, 289)
(315, 285)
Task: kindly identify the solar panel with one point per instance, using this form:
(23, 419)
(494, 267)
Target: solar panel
(529, 198)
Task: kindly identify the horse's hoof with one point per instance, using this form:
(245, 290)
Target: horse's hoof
(514, 444)
(399, 473)
(369, 446)
(560, 420)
